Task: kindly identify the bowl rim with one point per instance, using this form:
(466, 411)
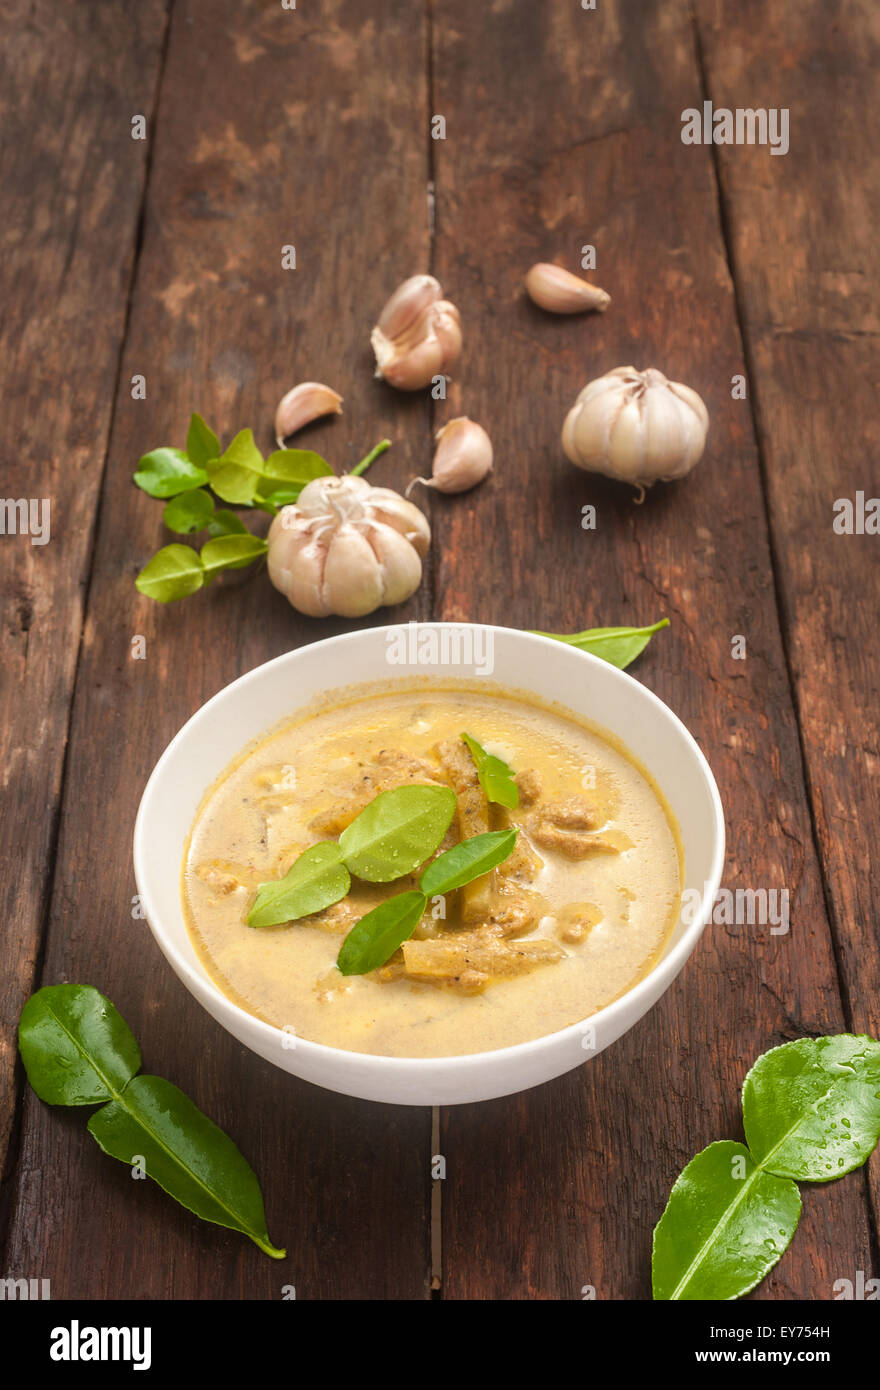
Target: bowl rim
(662, 973)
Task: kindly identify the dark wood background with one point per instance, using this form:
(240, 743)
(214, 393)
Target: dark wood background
(163, 257)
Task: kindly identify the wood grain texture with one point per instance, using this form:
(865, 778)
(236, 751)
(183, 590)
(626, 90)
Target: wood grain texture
(802, 235)
(310, 128)
(563, 129)
(74, 180)
(275, 127)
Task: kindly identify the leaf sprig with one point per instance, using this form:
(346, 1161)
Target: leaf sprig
(77, 1049)
(394, 833)
(811, 1113)
(617, 645)
(376, 936)
(237, 474)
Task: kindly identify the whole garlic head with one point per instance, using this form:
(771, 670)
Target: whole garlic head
(636, 426)
(346, 547)
(418, 335)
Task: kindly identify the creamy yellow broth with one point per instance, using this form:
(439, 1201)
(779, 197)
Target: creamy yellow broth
(258, 818)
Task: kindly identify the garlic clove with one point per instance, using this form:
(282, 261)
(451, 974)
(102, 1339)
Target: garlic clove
(304, 403)
(462, 459)
(296, 566)
(352, 576)
(407, 302)
(400, 564)
(446, 325)
(559, 292)
(411, 369)
(418, 336)
(689, 397)
(628, 441)
(586, 434)
(665, 425)
(404, 517)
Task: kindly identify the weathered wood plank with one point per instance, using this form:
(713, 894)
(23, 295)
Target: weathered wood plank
(73, 181)
(802, 229)
(563, 128)
(275, 127)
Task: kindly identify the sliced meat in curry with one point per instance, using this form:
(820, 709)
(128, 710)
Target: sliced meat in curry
(570, 827)
(390, 768)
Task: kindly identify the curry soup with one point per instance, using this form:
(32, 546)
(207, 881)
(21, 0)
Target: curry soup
(576, 915)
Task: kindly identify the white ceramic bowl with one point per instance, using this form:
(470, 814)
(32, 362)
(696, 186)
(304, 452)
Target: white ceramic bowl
(551, 670)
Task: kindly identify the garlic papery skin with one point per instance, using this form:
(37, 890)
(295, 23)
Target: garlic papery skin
(301, 405)
(348, 548)
(462, 459)
(559, 292)
(418, 336)
(637, 427)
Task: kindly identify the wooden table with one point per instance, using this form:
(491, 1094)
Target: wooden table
(162, 257)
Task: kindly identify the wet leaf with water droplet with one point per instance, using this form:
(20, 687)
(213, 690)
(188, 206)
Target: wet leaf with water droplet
(811, 1109)
(725, 1225)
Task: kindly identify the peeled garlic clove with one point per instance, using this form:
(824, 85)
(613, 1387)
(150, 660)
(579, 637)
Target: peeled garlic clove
(302, 404)
(418, 335)
(462, 459)
(559, 292)
(636, 426)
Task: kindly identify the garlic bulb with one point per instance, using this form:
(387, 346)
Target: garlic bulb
(636, 426)
(303, 404)
(346, 547)
(418, 335)
(462, 459)
(560, 292)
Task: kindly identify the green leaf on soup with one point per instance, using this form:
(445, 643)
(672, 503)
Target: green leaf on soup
(227, 524)
(186, 1154)
(76, 1047)
(496, 778)
(231, 552)
(466, 861)
(174, 572)
(316, 880)
(166, 472)
(189, 511)
(811, 1108)
(202, 444)
(376, 937)
(616, 645)
(726, 1224)
(397, 832)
